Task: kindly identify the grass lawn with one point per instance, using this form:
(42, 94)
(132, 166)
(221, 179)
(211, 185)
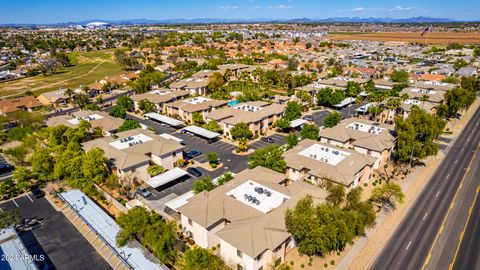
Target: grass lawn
(88, 67)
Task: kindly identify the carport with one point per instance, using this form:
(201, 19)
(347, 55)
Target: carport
(297, 123)
(164, 119)
(166, 177)
(201, 132)
(344, 102)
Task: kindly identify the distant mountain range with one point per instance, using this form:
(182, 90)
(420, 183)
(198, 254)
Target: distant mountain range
(257, 20)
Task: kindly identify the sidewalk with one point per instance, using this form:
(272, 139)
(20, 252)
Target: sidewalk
(363, 253)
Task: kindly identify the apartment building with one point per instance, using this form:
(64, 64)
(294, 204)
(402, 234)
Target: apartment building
(320, 163)
(101, 119)
(160, 98)
(258, 115)
(185, 108)
(250, 207)
(364, 136)
(132, 151)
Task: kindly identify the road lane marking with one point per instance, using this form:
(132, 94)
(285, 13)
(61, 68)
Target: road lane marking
(15, 203)
(29, 198)
(437, 194)
(463, 230)
(409, 243)
(448, 211)
(456, 160)
(426, 214)
(448, 175)
(463, 148)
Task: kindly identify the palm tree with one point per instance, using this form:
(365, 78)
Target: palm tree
(424, 99)
(69, 93)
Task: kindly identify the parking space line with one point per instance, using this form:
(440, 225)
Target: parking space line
(29, 198)
(15, 203)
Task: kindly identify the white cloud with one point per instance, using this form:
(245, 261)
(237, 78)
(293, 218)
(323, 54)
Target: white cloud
(228, 8)
(358, 9)
(402, 9)
(281, 6)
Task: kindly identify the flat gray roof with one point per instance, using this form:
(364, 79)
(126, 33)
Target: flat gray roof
(202, 132)
(13, 252)
(164, 119)
(297, 122)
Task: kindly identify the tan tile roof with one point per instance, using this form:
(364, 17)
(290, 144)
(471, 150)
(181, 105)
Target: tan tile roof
(155, 98)
(137, 154)
(234, 116)
(189, 107)
(342, 173)
(376, 142)
(249, 230)
(15, 104)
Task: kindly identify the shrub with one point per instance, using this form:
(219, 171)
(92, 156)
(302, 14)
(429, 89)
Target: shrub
(332, 262)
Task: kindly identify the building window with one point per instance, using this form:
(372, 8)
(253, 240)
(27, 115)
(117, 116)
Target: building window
(239, 253)
(190, 221)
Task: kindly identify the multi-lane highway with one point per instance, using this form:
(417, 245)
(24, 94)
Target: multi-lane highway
(424, 228)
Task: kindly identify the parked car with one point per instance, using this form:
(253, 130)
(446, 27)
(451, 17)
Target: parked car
(144, 192)
(37, 192)
(193, 153)
(308, 118)
(267, 139)
(194, 171)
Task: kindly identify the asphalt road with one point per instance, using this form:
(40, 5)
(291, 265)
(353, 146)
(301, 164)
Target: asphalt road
(410, 244)
(468, 256)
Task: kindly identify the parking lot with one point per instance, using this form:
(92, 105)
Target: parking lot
(277, 139)
(317, 117)
(57, 239)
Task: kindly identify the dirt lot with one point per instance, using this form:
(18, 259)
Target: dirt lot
(437, 38)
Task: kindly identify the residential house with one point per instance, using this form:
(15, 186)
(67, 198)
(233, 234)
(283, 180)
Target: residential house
(56, 98)
(246, 217)
(467, 71)
(27, 103)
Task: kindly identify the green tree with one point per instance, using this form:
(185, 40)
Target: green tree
(128, 125)
(242, 145)
(226, 177)
(17, 154)
(268, 157)
(42, 163)
(353, 198)
(332, 119)
(328, 97)
(203, 184)
(155, 170)
(353, 89)
(459, 63)
(200, 259)
(309, 132)
(118, 111)
(417, 133)
(282, 124)
(388, 195)
(94, 166)
(292, 140)
(213, 125)
(400, 76)
(293, 111)
(147, 106)
(212, 157)
(241, 130)
(216, 81)
(336, 194)
(125, 102)
(197, 118)
(9, 218)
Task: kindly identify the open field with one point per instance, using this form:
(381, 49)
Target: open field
(440, 38)
(88, 67)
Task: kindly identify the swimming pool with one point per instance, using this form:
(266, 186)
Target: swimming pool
(233, 103)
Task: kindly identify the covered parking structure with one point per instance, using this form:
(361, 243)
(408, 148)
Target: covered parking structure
(203, 133)
(164, 119)
(166, 178)
(297, 123)
(344, 103)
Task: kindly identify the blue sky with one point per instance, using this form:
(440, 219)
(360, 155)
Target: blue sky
(51, 11)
